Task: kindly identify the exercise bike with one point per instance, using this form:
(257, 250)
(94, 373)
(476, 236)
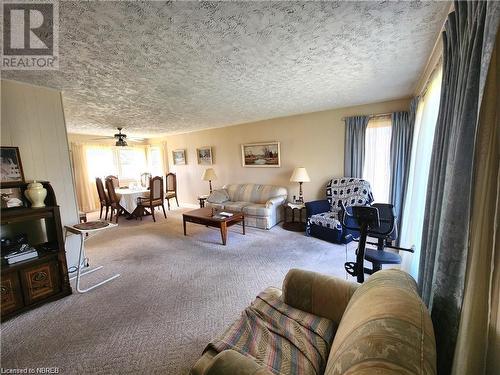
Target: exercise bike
(377, 221)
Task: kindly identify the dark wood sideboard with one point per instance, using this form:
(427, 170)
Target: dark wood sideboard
(30, 283)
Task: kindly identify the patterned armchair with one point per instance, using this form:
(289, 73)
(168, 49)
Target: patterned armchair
(323, 219)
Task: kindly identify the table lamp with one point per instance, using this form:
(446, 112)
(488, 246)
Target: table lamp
(300, 175)
(209, 175)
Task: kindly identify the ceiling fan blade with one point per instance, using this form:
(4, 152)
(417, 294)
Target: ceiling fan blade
(101, 138)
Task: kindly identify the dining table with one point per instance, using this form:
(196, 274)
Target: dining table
(128, 197)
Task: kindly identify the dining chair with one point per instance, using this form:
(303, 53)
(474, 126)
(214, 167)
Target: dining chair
(171, 188)
(156, 197)
(116, 182)
(103, 198)
(114, 201)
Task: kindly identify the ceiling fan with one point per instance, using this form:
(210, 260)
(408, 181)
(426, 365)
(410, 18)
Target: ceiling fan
(121, 138)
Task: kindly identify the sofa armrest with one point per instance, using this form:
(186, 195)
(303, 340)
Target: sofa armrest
(230, 362)
(276, 201)
(318, 294)
(317, 207)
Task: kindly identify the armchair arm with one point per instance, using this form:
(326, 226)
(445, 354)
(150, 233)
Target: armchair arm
(317, 207)
(318, 294)
(276, 201)
(230, 362)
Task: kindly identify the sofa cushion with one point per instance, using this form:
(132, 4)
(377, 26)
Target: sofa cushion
(282, 338)
(254, 193)
(257, 209)
(235, 206)
(326, 219)
(218, 196)
(385, 329)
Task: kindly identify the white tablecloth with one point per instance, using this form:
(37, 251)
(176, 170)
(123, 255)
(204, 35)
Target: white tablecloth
(128, 197)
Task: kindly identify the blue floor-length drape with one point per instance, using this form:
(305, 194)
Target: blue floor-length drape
(468, 41)
(403, 124)
(354, 153)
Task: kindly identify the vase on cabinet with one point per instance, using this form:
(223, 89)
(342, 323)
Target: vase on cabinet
(36, 194)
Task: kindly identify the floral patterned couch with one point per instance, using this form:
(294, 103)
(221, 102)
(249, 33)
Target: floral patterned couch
(379, 327)
(262, 205)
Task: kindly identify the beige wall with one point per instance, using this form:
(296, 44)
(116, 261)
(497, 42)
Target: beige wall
(33, 120)
(312, 140)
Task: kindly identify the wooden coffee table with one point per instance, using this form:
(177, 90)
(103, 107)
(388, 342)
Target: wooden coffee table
(207, 216)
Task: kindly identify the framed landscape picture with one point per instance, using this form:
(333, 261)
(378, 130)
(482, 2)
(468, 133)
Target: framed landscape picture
(179, 157)
(261, 155)
(204, 155)
(12, 169)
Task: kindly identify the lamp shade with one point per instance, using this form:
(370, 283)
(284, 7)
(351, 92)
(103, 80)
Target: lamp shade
(209, 175)
(300, 175)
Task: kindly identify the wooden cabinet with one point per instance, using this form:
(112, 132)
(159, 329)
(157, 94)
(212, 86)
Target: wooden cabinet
(32, 282)
(12, 295)
(40, 281)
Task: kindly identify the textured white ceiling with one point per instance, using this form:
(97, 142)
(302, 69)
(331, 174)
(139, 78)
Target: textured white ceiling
(158, 68)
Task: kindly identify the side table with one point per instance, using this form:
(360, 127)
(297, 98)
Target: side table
(291, 221)
(84, 230)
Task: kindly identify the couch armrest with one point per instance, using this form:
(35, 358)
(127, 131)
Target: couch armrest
(318, 294)
(276, 201)
(230, 362)
(317, 207)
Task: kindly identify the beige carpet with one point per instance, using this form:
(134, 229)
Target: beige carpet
(175, 294)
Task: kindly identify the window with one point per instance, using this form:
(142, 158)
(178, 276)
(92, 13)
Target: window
(131, 163)
(100, 162)
(377, 165)
(416, 194)
(155, 161)
(128, 163)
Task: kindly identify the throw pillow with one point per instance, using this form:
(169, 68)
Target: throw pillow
(218, 196)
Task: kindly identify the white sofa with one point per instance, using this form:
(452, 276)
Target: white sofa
(261, 204)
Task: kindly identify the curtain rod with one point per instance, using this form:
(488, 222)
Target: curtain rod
(388, 114)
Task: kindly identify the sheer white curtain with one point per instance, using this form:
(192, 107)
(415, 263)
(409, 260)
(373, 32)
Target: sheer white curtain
(89, 162)
(377, 165)
(414, 205)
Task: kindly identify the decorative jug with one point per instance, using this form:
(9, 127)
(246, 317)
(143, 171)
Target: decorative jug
(36, 194)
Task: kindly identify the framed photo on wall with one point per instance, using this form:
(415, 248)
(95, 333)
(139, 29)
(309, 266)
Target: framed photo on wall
(179, 157)
(261, 155)
(12, 168)
(204, 155)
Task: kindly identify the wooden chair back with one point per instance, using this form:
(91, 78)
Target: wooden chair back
(171, 182)
(116, 182)
(110, 186)
(101, 192)
(156, 188)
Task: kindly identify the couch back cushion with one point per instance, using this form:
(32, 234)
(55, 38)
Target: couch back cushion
(349, 190)
(254, 193)
(386, 329)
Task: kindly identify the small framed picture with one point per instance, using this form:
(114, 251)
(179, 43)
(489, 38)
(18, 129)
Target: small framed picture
(12, 169)
(261, 155)
(204, 155)
(179, 157)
